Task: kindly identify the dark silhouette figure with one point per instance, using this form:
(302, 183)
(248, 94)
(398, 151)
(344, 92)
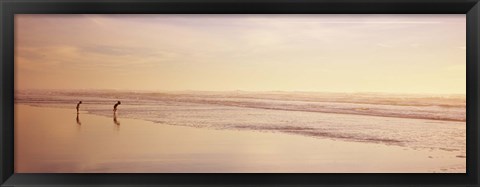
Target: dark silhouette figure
(115, 106)
(78, 106)
(78, 120)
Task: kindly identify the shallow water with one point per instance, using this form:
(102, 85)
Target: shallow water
(431, 122)
(57, 140)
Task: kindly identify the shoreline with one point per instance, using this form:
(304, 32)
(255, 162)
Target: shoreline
(351, 132)
(202, 151)
(451, 108)
(322, 112)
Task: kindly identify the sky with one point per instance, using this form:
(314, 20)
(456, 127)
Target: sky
(317, 53)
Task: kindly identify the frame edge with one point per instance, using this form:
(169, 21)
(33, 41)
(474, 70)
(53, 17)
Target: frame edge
(473, 89)
(6, 93)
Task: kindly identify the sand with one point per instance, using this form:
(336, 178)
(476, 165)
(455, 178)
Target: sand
(98, 144)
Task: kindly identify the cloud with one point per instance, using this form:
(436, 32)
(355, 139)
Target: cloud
(415, 45)
(384, 45)
(234, 48)
(110, 50)
(93, 57)
(456, 68)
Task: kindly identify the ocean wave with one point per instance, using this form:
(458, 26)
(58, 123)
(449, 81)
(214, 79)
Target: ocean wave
(422, 126)
(448, 108)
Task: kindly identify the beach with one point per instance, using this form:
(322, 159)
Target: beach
(52, 139)
(240, 93)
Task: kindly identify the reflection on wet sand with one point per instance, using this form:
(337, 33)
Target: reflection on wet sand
(116, 122)
(78, 120)
(147, 147)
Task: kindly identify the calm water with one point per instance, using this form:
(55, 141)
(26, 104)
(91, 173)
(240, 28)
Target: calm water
(435, 122)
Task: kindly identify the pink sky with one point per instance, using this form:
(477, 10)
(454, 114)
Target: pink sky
(324, 53)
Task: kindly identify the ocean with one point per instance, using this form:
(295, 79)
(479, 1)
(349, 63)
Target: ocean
(423, 122)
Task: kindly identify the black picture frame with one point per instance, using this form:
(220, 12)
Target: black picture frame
(9, 8)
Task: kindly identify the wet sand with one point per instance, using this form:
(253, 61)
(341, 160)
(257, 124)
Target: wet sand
(90, 143)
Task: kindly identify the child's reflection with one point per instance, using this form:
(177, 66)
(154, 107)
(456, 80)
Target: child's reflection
(78, 120)
(116, 122)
